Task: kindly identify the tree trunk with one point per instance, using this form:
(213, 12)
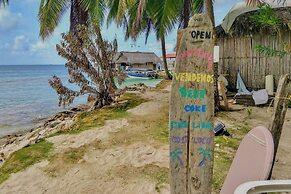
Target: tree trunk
(101, 101)
(103, 51)
(210, 13)
(186, 13)
(163, 42)
(78, 16)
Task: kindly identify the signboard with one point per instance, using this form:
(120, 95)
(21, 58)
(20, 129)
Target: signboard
(192, 110)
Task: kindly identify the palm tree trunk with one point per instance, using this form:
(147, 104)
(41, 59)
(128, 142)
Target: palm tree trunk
(210, 13)
(209, 10)
(186, 13)
(78, 16)
(163, 43)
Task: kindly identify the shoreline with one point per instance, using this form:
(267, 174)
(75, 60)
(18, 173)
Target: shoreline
(128, 150)
(42, 122)
(57, 122)
(14, 129)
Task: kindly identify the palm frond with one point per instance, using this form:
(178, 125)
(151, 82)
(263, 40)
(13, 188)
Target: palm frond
(96, 10)
(197, 6)
(140, 10)
(50, 13)
(164, 14)
(118, 10)
(255, 3)
(113, 9)
(149, 26)
(4, 3)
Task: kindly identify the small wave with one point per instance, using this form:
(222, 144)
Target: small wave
(4, 125)
(21, 80)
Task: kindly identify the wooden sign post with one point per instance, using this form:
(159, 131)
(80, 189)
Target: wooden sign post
(192, 110)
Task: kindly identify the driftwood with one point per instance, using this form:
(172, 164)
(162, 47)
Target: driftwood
(280, 109)
(248, 100)
(192, 110)
(222, 90)
(61, 121)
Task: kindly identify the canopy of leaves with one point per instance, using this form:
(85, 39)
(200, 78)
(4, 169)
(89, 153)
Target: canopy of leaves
(266, 17)
(51, 12)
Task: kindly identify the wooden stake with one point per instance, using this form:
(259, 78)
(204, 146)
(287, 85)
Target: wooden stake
(222, 90)
(280, 109)
(192, 110)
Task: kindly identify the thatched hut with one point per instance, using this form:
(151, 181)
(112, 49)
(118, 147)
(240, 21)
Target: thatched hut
(147, 60)
(238, 53)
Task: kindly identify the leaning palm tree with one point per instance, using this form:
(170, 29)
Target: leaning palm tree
(81, 12)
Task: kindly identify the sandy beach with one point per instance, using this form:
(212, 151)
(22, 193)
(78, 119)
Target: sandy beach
(128, 155)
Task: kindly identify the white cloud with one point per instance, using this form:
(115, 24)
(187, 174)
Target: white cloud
(20, 43)
(29, 1)
(38, 45)
(8, 20)
(170, 47)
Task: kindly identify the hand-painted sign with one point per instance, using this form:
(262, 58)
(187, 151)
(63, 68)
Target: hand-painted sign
(201, 34)
(193, 125)
(192, 110)
(194, 77)
(189, 93)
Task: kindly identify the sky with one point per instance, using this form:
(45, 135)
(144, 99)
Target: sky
(20, 43)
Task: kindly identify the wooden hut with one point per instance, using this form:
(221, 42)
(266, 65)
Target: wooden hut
(147, 60)
(238, 53)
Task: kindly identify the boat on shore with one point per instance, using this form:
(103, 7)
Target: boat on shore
(141, 73)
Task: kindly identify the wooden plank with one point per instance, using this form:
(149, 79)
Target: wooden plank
(222, 90)
(236, 48)
(280, 108)
(192, 111)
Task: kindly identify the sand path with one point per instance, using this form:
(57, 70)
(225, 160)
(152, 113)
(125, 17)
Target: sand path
(93, 173)
(263, 117)
(109, 171)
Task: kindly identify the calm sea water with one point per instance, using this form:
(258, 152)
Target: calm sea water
(26, 97)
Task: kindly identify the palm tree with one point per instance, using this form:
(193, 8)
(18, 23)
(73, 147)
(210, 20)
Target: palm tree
(146, 16)
(164, 15)
(4, 2)
(81, 12)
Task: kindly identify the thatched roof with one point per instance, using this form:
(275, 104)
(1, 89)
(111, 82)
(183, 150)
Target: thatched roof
(136, 58)
(243, 25)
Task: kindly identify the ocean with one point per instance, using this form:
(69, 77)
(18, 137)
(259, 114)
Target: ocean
(26, 97)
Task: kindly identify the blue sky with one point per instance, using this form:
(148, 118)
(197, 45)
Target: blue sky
(20, 42)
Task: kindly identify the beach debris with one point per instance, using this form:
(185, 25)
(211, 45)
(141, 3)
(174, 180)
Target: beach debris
(141, 87)
(60, 121)
(220, 130)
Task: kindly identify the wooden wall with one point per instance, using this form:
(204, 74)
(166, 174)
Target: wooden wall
(142, 65)
(239, 54)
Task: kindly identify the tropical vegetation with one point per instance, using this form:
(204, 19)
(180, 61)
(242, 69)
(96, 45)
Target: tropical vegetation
(136, 16)
(88, 62)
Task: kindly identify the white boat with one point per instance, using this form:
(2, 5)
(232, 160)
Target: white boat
(141, 73)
